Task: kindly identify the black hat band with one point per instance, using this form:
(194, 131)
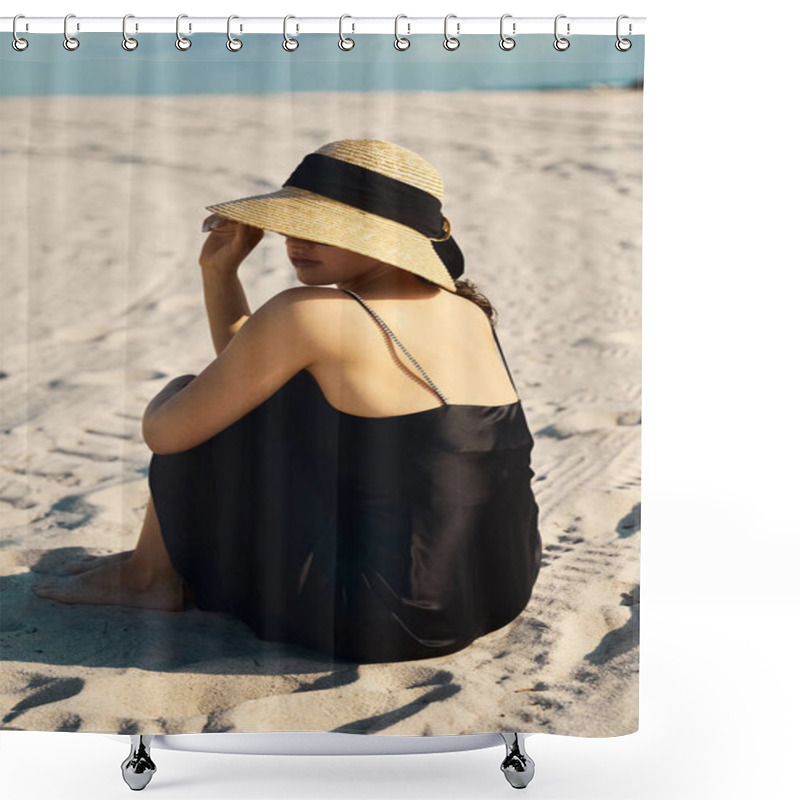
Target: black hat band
(379, 194)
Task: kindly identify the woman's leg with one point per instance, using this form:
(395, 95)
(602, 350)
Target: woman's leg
(144, 577)
(150, 557)
(150, 547)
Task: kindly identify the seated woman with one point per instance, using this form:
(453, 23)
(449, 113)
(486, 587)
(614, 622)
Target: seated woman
(314, 480)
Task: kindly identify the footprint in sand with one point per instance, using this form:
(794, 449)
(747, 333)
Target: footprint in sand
(50, 690)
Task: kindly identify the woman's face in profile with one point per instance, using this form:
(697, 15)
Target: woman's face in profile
(319, 264)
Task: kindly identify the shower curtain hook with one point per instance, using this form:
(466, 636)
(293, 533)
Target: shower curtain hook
(289, 43)
(400, 42)
(182, 43)
(345, 43)
(506, 42)
(18, 43)
(450, 42)
(560, 43)
(233, 44)
(128, 42)
(70, 42)
(623, 45)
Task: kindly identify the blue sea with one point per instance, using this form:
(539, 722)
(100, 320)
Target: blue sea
(100, 66)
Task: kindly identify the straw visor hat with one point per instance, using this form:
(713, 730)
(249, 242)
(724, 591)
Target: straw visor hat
(364, 195)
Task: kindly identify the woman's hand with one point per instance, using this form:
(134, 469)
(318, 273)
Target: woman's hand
(228, 244)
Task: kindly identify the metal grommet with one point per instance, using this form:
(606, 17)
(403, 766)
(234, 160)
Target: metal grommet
(18, 43)
(560, 43)
(233, 44)
(506, 42)
(401, 43)
(289, 43)
(128, 42)
(623, 45)
(70, 42)
(446, 229)
(450, 42)
(346, 43)
(181, 42)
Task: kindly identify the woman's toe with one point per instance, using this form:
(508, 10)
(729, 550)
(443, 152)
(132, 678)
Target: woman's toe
(92, 561)
(44, 586)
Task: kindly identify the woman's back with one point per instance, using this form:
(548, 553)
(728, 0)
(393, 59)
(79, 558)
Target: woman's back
(364, 371)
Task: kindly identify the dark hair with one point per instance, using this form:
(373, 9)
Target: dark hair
(466, 288)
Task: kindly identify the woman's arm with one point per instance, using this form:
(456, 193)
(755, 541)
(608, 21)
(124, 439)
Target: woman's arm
(226, 306)
(173, 387)
(281, 338)
(227, 245)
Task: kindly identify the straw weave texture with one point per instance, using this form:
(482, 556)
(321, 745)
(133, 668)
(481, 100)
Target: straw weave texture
(296, 212)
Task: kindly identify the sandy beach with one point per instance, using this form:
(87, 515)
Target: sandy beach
(102, 200)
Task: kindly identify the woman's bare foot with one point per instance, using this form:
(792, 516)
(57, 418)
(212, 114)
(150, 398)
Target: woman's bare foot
(90, 562)
(117, 582)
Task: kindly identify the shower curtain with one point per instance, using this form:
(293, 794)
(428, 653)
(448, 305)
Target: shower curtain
(110, 158)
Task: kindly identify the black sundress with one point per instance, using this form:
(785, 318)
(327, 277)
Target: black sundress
(367, 539)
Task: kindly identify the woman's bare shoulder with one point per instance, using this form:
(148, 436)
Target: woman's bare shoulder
(316, 311)
(300, 294)
(304, 301)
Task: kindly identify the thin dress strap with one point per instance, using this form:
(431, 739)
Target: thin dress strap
(400, 345)
(510, 376)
